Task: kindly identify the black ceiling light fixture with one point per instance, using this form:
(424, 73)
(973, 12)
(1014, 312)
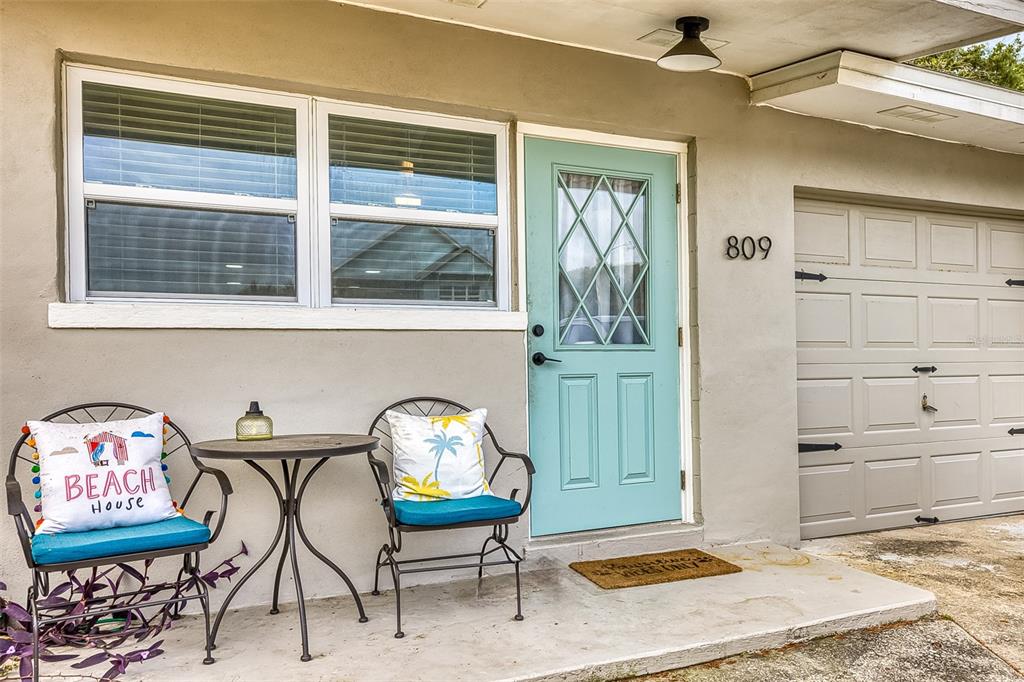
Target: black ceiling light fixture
(690, 53)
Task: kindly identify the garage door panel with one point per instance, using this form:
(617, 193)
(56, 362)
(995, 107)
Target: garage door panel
(1006, 393)
(956, 480)
(1006, 250)
(822, 234)
(890, 321)
(907, 246)
(888, 239)
(878, 404)
(1006, 323)
(891, 404)
(829, 492)
(960, 401)
(1008, 475)
(823, 320)
(848, 321)
(892, 485)
(953, 323)
(825, 407)
(953, 244)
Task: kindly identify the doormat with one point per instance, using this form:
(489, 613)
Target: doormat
(652, 569)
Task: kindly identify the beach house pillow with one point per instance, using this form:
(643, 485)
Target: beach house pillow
(101, 475)
(438, 458)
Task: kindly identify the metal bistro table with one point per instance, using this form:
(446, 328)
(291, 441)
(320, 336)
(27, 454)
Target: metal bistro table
(285, 449)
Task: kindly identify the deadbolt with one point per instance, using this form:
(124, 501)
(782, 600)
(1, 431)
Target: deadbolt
(538, 330)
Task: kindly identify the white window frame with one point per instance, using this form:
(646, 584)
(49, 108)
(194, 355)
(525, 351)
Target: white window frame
(79, 191)
(322, 110)
(312, 210)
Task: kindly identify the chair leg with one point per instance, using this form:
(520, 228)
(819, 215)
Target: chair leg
(398, 598)
(480, 571)
(35, 631)
(376, 572)
(204, 601)
(519, 596)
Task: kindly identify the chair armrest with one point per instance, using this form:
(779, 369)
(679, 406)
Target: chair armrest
(383, 478)
(222, 478)
(527, 462)
(225, 489)
(15, 505)
(22, 520)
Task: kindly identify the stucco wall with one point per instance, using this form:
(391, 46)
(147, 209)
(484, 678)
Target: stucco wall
(747, 162)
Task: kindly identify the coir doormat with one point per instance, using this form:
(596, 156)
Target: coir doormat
(651, 569)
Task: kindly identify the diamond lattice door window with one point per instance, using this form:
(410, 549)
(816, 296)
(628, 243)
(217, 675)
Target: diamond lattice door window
(602, 259)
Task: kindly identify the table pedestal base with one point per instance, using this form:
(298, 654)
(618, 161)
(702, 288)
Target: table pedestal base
(289, 522)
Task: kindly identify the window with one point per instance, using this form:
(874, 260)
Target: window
(189, 191)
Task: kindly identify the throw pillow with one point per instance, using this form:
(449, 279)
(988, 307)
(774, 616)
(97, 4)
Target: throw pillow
(101, 475)
(438, 458)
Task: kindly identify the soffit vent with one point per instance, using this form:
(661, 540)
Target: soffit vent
(919, 114)
(663, 37)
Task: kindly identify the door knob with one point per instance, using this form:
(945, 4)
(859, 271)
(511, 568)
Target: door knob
(539, 359)
(925, 406)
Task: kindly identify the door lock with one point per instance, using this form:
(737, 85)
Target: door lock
(538, 330)
(539, 359)
(925, 406)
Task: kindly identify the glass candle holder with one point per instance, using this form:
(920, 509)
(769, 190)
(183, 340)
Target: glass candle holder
(254, 425)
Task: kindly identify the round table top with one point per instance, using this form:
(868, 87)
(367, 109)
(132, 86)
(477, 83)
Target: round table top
(298, 446)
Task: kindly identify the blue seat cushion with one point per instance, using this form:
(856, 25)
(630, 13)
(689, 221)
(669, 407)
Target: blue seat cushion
(448, 512)
(59, 548)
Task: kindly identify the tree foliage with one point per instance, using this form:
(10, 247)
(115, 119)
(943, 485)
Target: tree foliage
(1001, 64)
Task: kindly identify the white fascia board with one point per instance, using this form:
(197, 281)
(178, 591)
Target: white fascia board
(1007, 10)
(905, 84)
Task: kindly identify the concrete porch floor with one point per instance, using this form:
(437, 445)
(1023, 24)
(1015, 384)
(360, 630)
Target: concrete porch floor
(573, 630)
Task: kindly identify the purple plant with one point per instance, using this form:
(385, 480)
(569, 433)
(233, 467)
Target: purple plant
(130, 623)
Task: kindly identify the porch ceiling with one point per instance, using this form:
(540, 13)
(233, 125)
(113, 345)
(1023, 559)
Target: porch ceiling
(750, 36)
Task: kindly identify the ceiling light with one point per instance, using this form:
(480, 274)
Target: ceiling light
(233, 266)
(372, 272)
(408, 200)
(690, 54)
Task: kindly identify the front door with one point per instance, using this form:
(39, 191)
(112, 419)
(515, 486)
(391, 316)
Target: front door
(602, 296)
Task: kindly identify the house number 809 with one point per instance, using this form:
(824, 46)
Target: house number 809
(747, 247)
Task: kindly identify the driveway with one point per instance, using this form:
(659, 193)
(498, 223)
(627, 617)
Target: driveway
(976, 571)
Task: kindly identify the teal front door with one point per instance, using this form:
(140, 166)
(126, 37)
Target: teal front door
(603, 352)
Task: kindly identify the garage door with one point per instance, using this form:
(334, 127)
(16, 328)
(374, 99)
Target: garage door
(910, 335)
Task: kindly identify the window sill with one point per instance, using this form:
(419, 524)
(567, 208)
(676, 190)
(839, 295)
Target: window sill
(234, 316)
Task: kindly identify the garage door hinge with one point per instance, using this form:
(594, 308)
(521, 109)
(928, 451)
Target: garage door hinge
(682, 480)
(817, 447)
(1015, 282)
(681, 337)
(1015, 432)
(679, 193)
(818, 276)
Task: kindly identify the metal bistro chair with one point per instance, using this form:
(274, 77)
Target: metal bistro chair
(183, 537)
(414, 517)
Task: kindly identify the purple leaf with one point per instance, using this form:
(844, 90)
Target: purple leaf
(16, 612)
(21, 637)
(230, 572)
(245, 550)
(112, 673)
(3, 586)
(52, 658)
(95, 659)
(132, 572)
(25, 668)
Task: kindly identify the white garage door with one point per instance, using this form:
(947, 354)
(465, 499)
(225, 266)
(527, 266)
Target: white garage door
(911, 359)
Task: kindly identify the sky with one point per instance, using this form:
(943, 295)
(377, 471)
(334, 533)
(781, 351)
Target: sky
(1005, 39)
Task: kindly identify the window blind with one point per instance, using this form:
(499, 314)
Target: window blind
(139, 249)
(411, 262)
(387, 163)
(156, 139)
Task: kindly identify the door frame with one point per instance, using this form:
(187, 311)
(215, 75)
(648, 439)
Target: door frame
(679, 150)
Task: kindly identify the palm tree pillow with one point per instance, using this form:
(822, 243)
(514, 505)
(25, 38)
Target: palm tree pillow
(100, 475)
(438, 458)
